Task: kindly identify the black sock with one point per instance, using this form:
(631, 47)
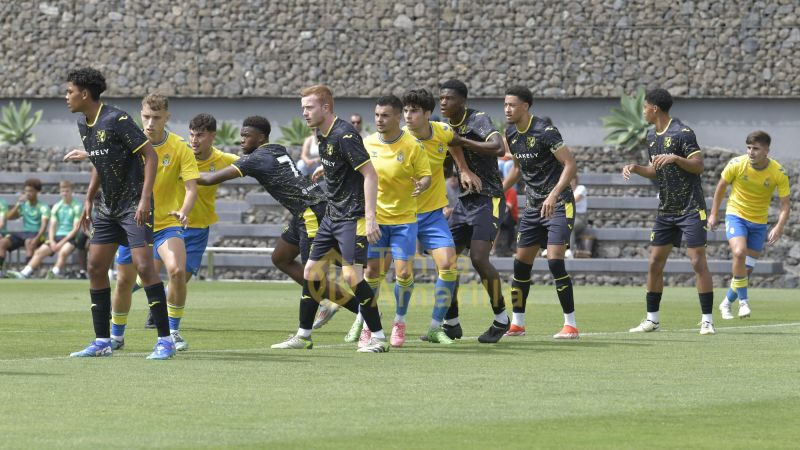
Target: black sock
(494, 289)
(706, 302)
(2, 261)
(563, 285)
(308, 306)
(520, 285)
(653, 301)
(369, 307)
(101, 312)
(157, 301)
(452, 311)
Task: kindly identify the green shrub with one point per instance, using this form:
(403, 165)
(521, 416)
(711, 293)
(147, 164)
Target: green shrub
(16, 125)
(626, 125)
(227, 135)
(295, 133)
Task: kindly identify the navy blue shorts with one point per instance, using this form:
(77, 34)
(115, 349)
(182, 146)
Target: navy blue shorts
(348, 237)
(302, 230)
(18, 239)
(122, 231)
(555, 230)
(670, 229)
(476, 217)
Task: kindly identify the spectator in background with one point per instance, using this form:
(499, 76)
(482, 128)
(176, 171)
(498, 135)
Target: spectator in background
(34, 215)
(581, 206)
(358, 123)
(309, 155)
(505, 245)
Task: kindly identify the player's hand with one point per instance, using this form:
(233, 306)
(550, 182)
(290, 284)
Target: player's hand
(418, 188)
(373, 230)
(76, 154)
(627, 170)
(143, 212)
(659, 161)
(548, 207)
(86, 217)
(774, 234)
(470, 181)
(712, 222)
(182, 218)
(318, 173)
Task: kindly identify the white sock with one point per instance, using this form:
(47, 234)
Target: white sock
(359, 318)
(172, 331)
(55, 270)
(27, 271)
(569, 319)
(399, 318)
(303, 333)
(167, 338)
(501, 318)
(117, 338)
(708, 318)
(742, 301)
(518, 319)
(435, 323)
(726, 303)
(378, 334)
(451, 322)
(652, 316)
(104, 340)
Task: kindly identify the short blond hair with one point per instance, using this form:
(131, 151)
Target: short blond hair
(65, 184)
(156, 101)
(322, 92)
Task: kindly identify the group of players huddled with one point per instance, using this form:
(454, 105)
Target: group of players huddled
(382, 195)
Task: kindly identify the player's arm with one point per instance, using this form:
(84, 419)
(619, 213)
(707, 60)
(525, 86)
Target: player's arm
(189, 199)
(220, 176)
(421, 185)
(51, 232)
(370, 200)
(716, 203)
(468, 179)
(143, 211)
(776, 231)
(493, 146)
(513, 175)
(13, 213)
(564, 156)
(91, 192)
(2, 219)
(643, 171)
(692, 164)
(43, 226)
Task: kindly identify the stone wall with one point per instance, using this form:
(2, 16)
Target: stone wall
(231, 48)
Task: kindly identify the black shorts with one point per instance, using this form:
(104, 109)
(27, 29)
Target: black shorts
(79, 240)
(301, 230)
(476, 217)
(348, 237)
(555, 230)
(122, 231)
(670, 229)
(18, 239)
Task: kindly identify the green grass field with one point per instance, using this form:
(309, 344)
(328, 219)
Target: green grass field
(611, 389)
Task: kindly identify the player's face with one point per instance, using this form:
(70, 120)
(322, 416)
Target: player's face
(416, 118)
(758, 153)
(30, 193)
(451, 103)
(66, 193)
(514, 109)
(250, 139)
(76, 97)
(649, 112)
(387, 120)
(313, 110)
(201, 142)
(154, 122)
(357, 122)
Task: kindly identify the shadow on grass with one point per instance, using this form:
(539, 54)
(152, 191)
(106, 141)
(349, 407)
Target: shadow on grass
(222, 355)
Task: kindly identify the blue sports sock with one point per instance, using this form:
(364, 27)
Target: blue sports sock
(443, 293)
(740, 284)
(403, 288)
(117, 330)
(731, 295)
(174, 323)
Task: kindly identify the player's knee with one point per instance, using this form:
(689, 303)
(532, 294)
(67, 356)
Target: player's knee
(96, 270)
(403, 273)
(176, 272)
(279, 260)
(479, 261)
(739, 253)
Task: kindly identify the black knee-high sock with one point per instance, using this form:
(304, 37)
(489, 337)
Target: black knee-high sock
(520, 285)
(101, 312)
(308, 305)
(157, 301)
(452, 311)
(2, 261)
(563, 285)
(653, 301)
(706, 302)
(369, 307)
(494, 289)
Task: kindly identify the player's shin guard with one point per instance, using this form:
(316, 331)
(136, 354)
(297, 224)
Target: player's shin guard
(563, 285)
(443, 293)
(740, 284)
(118, 323)
(369, 307)
(452, 311)
(520, 285)
(101, 312)
(375, 284)
(653, 300)
(706, 302)
(493, 287)
(403, 288)
(157, 301)
(175, 314)
(308, 305)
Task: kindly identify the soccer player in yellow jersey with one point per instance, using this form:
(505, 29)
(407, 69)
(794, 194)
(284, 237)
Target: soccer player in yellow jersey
(177, 169)
(753, 178)
(403, 173)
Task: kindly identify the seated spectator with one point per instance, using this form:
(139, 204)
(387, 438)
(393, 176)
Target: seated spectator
(309, 155)
(64, 234)
(358, 123)
(506, 244)
(34, 216)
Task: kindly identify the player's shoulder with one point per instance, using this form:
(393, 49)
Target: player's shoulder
(474, 116)
(177, 142)
(342, 130)
(374, 139)
(224, 156)
(111, 114)
(542, 126)
(678, 128)
(777, 168)
(738, 161)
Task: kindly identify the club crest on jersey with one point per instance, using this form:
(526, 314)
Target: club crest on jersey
(165, 161)
(374, 154)
(667, 142)
(441, 148)
(531, 141)
(212, 168)
(766, 182)
(101, 135)
(400, 157)
(462, 129)
(330, 149)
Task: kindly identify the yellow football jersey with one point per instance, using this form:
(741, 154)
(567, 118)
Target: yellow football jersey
(435, 196)
(176, 165)
(204, 212)
(396, 163)
(752, 189)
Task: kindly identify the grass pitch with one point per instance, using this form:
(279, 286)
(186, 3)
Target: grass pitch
(611, 389)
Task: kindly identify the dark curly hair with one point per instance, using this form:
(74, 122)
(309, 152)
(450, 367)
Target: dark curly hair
(420, 98)
(522, 93)
(660, 98)
(259, 123)
(456, 85)
(89, 79)
(203, 122)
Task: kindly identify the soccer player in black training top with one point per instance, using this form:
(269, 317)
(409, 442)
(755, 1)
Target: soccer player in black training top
(124, 171)
(676, 164)
(476, 217)
(547, 166)
(349, 224)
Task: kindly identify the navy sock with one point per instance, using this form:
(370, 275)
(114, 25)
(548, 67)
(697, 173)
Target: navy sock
(520, 285)
(101, 312)
(157, 301)
(706, 302)
(653, 301)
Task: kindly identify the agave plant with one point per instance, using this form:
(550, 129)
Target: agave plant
(227, 135)
(16, 126)
(295, 133)
(626, 125)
